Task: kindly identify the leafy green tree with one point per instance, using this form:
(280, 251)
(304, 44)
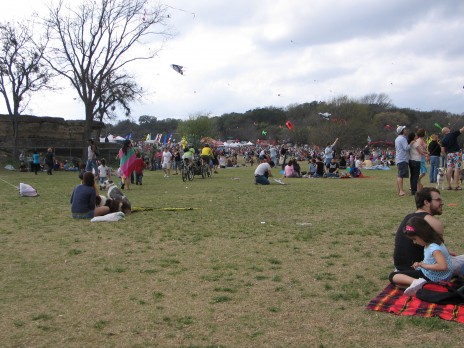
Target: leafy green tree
(196, 128)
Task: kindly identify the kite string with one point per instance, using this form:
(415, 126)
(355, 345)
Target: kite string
(16, 187)
(179, 9)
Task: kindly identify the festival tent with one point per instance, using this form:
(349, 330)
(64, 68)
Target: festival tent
(112, 138)
(212, 141)
(118, 138)
(232, 144)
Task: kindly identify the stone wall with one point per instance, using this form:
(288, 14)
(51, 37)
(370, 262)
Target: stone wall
(39, 133)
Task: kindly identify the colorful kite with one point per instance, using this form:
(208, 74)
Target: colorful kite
(325, 115)
(438, 126)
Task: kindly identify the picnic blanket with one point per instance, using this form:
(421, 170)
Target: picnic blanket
(392, 300)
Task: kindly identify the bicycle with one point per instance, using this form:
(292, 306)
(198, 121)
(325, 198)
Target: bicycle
(187, 172)
(206, 170)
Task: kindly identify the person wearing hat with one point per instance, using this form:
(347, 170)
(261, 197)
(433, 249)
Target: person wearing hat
(450, 147)
(401, 158)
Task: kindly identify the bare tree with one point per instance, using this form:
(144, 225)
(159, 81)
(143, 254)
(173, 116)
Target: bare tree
(93, 43)
(118, 93)
(22, 68)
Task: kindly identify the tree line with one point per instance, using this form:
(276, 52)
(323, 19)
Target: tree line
(355, 121)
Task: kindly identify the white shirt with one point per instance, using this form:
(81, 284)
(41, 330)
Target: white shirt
(166, 157)
(262, 169)
(90, 153)
(103, 171)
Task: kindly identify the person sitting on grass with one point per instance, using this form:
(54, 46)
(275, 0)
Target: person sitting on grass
(289, 171)
(83, 199)
(296, 168)
(436, 265)
(263, 172)
(312, 167)
(333, 169)
(319, 168)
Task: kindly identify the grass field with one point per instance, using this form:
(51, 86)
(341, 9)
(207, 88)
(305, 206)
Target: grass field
(251, 266)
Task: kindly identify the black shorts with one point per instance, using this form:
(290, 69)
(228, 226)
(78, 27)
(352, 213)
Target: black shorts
(403, 170)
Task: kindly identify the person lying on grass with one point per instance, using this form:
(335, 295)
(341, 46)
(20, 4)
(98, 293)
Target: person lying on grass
(436, 265)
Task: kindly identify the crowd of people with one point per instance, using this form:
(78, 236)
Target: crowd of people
(412, 154)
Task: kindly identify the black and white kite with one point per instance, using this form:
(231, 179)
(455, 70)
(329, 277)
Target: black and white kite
(178, 68)
(325, 115)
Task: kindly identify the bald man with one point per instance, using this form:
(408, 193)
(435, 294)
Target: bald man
(450, 147)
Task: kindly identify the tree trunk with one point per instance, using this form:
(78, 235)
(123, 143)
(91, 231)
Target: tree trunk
(87, 130)
(14, 125)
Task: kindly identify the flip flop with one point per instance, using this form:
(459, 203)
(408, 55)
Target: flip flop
(459, 188)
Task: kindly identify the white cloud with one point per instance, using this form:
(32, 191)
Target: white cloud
(245, 54)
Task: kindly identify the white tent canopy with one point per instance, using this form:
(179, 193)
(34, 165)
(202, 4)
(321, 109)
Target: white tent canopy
(112, 138)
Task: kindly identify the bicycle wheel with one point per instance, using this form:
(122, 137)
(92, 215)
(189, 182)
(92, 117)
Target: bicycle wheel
(203, 171)
(185, 172)
(191, 174)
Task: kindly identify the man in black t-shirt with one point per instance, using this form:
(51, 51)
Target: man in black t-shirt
(451, 148)
(333, 169)
(429, 204)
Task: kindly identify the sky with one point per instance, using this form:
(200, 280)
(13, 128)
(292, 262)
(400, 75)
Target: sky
(245, 54)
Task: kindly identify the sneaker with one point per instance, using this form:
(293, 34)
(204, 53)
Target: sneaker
(415, 285)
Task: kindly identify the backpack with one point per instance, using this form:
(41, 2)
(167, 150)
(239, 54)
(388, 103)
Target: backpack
(443, 292)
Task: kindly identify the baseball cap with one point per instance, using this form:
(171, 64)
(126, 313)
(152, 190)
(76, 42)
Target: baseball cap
(400, 129)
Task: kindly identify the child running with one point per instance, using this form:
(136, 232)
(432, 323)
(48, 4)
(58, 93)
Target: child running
(436, 265)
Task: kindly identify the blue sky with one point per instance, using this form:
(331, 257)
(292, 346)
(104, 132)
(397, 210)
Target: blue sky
(240, 55)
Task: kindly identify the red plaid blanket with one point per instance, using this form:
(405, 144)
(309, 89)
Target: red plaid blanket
(392, 300)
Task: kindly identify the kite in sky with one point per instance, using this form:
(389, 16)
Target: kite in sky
(325, 115)
(178, 68)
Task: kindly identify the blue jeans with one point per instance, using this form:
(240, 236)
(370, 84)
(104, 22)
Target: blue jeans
(443, 161)
(92, 164)
(434, 164)
(262, 180)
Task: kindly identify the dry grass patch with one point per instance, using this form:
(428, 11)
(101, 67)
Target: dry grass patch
(281, 266)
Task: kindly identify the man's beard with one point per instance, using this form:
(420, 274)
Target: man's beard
(436, 211)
